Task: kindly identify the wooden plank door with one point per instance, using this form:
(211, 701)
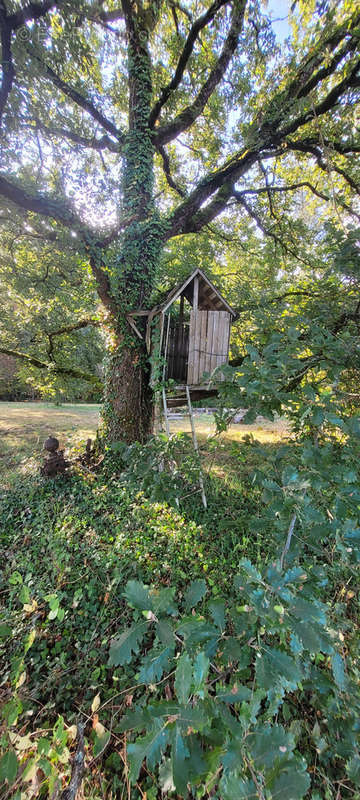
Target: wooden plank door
(208, 343)
(223, 340)
(197, 324)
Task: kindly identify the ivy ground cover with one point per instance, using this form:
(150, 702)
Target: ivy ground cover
(197, 664)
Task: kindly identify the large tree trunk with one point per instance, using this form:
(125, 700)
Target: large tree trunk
(128, 407)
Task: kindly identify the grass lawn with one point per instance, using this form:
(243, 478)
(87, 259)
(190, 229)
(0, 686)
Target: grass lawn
(25, 426)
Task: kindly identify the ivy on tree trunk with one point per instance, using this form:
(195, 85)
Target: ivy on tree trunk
(186, 67)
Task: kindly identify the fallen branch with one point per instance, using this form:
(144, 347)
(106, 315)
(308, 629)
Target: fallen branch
(77, 767)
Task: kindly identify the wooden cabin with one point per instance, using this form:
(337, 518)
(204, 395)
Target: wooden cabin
(195, 322)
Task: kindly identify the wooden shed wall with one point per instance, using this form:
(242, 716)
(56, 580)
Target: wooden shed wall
(208, 343)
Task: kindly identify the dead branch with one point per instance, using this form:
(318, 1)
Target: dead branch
(77, 767)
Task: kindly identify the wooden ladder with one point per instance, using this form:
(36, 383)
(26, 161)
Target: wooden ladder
(194, 437)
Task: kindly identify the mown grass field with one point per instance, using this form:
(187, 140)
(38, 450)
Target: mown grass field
(25, 426)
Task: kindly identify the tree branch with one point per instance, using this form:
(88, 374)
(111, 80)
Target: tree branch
(31, 12)
(276, 299)
(289, 188)
(93, 241)
(83, 323)
(283, 103)
(267, 136)
(8, 71)
(348, 179)
(198, 220)
(311, 361)
(8, 24)
(104, 143)
(53, 368)
(166, 165)
(187, 217)
(351, 80)
(42, 204)
(266, 231)
(76, 326)
(77, 770)
(326, 167)
(111, 16)
(78, 98)
(188, 116)
(195, 29)
(103, 285)
(325, 72)
(182, 220)
(307, 146)
(306, 78)
(61, 212)
(342, 148)
(240, 199)
(267, 188)
(106, 239)
(182, 8)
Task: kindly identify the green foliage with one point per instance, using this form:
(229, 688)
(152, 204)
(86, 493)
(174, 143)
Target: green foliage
(194, 594)
(235, 686)
(219, 730)
(128, 643)
(44, 294)
(245, 684)
(8, 767)
(162, 468)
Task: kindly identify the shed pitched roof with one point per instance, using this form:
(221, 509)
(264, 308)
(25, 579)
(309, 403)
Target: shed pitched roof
(209, 297)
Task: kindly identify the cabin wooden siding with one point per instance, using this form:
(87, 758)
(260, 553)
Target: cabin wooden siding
(208, 343)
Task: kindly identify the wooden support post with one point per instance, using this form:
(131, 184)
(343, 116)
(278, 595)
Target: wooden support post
(158, 427)
(167, 426)
(196, 294)
(166, 348)
(196, 448)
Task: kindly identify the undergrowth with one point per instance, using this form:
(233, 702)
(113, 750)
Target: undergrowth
(79, 549)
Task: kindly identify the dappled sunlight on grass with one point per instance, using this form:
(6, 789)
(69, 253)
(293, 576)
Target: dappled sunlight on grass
(262, 429)
(25, 426)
